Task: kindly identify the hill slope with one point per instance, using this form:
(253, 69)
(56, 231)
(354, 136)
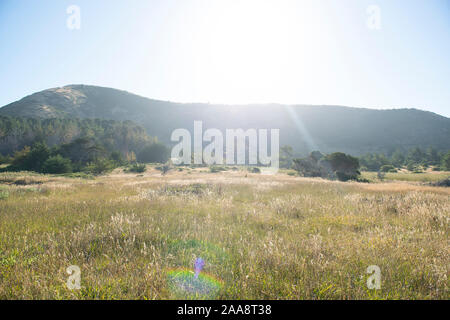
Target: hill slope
(325, 128)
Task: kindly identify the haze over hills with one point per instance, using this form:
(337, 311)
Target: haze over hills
(304, 127)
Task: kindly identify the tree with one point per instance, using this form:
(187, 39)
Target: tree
(398, 158)
(416, 156)
(154, 153)
(137, 167)
(312, 166)
(432, 156)
(344, 166)
(286, 156)
(38, 155)
(99, 166)
(316, 156)
(117, 157)
(446, 161)
(57, 164)
(307, 167)
(336, 165)
(31, 159)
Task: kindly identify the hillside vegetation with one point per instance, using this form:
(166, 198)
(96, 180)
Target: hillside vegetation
(122, 136)
(306, 128)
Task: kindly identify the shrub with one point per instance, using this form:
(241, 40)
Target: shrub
(446, 162)
(117, 157)
(342, 162)
(336, 165)
(254, 170)
(57, 164)
(442, 183)
(81, 175)
(215, 169)
(137, 167)
(165, 167)
(388, 168)
(411, 166)
(3, 159)
(344, 176)
(30, 159)
(99, 166)
(307, 167)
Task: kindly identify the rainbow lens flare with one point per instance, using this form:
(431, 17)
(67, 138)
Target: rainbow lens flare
(184, 284)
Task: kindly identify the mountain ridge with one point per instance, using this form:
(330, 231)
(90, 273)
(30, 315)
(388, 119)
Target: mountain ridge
(330, 128)
(77, 86)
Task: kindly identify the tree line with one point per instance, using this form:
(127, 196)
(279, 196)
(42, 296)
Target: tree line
(345, 167)
(415, 159)
(74, 145)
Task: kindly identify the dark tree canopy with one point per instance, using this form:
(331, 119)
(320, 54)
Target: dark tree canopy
(154, 153)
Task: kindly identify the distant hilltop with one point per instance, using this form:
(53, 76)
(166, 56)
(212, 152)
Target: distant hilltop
(304, 127)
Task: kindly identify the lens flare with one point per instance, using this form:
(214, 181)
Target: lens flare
(193, 283)
(184, 284)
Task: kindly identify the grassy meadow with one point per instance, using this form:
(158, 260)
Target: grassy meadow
(261, 236)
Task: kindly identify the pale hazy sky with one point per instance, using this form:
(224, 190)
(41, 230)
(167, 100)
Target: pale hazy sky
(227, 51)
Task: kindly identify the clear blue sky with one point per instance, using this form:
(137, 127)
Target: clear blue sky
(285, 51)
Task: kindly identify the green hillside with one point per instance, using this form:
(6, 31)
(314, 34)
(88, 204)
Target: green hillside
(304, 127)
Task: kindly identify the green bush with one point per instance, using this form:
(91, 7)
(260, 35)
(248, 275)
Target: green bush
(336, 165)
(117, 157)
(165, 167)
(411, 166)
(254, 170)
(137, 167)
(344, 176)
(81, 175)
(215, 169)
(57, 164)
(388, 168)
(99, 166)
(363, 180)
(30, 159)
(446, 162)
(308, 167)
(4, 159)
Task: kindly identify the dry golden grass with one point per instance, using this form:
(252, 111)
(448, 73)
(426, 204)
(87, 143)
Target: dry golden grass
(264, 237)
